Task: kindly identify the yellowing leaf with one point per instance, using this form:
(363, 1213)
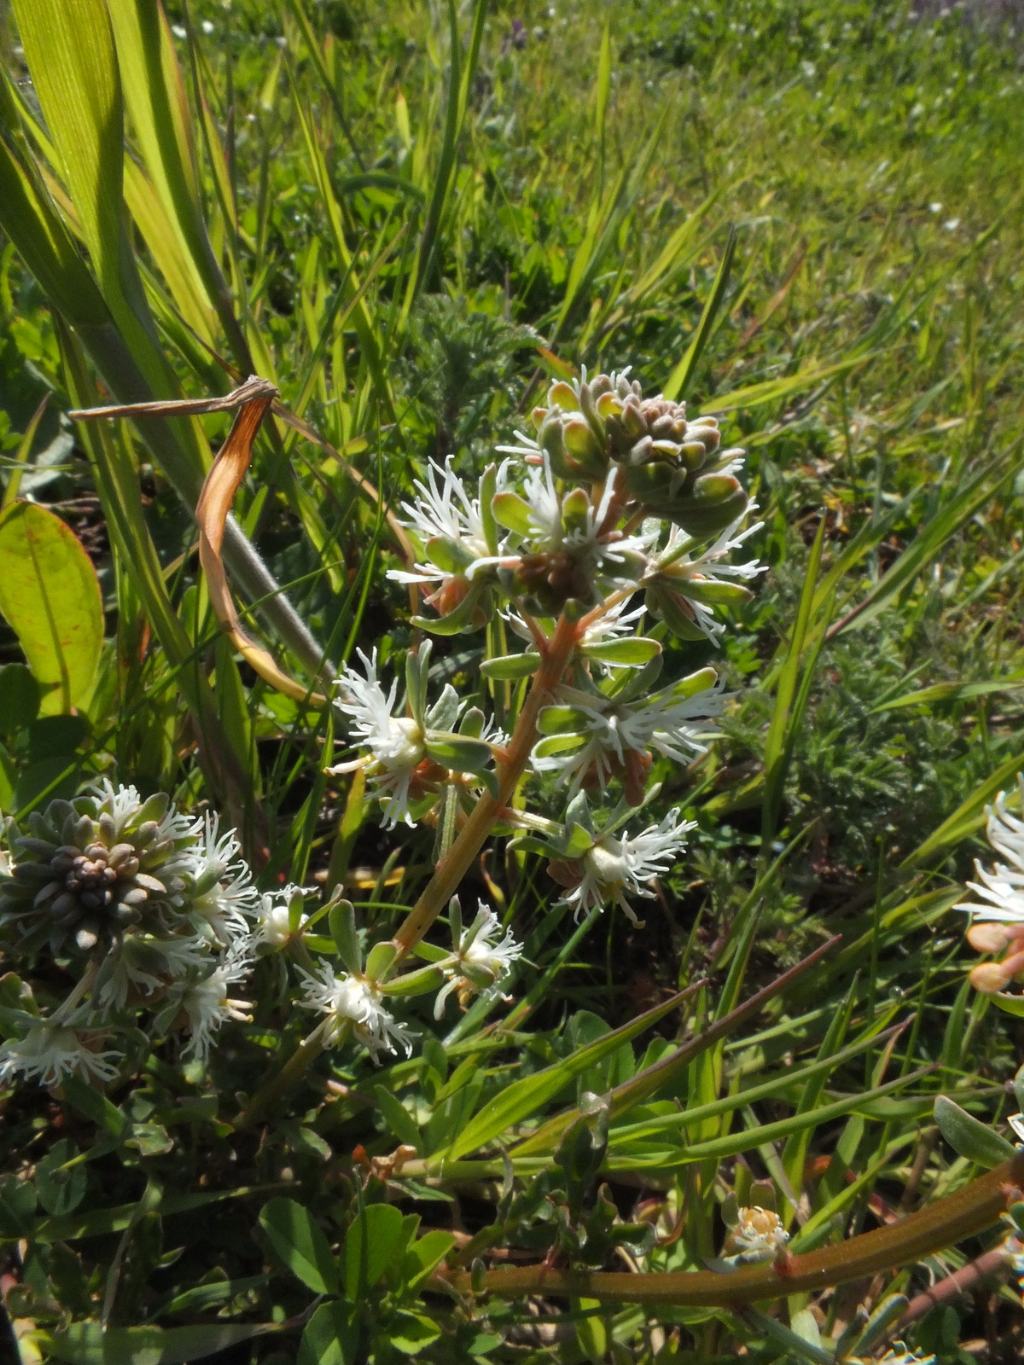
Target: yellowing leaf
(50, 596)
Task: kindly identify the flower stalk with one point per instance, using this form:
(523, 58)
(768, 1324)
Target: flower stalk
(556, 657)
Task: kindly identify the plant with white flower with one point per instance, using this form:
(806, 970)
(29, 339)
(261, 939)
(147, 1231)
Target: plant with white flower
(412, 751)
(997, 915)
(146, 913)
(482, 956)
(600, 867)
(597, 538)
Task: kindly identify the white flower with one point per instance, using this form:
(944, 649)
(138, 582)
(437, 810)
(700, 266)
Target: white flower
(207, 1003)
(273, 916)
(591, 543)
(143, 964)
(353, 1000)
(481, 959)
(616, 624)
(1002, 886)
(224, 899)
(677, 567)
(49, 1053)
(444, 510)
(758, 1235)
(667, 722)
(613, 869)
(394, 743)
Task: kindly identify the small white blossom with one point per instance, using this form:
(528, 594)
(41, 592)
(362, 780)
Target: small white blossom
(394, 744)
(481, 959)
(602, 551)
(443, 509)
(708, 565)
(273, 916)
(50, 1052)
(613, 868)
(353, 1000)
(207, 1003)
(224, 899)
(144, 964)
(672, 725)
(1001, 888)
(758, 1235)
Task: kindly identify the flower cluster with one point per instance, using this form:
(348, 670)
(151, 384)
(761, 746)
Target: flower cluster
(619, 510)
(150, 916)
(997, 924)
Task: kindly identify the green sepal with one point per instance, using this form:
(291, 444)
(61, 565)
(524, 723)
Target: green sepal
(558, 744)
(448, 554)
(713, 592)
(472, 723)
(466, 616)
(508, 667)
(577, 841)
(417, 668)
(632, 653)
(561, 720)
(460, 754)
(444, 713)
(422, 981)
(488, 484)
(701, 681)
(674, 610)
(575, 507)
(379, 960)
(512, 512)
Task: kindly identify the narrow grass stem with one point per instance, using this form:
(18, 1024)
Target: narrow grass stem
(471, 838)
(946, 1221)
(303, 1057)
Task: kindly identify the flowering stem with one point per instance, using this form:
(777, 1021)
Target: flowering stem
(939, 1225)
(454, 865)
(303, 1056)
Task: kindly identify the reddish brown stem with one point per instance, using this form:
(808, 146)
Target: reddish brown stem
(946, 1221)
(455, 864)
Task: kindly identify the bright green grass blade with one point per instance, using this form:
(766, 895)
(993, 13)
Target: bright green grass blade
(523, 1098)
(679, 380)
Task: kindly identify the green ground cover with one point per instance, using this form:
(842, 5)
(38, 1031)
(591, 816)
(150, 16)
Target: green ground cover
(805, 218)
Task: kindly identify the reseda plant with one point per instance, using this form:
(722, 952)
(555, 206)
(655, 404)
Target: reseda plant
(616, 510)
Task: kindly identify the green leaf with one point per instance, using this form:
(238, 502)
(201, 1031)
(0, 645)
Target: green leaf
(50, 597)
(331, 1336)
(512, 512)
(410, 1332)
(95, 1343)
(511, 666)
(300, 1244)
(372, 1245)
(424, 1256)
(457, 752)
(970, 1137)
(524, 1097)
(626, 653)
(61, 1179)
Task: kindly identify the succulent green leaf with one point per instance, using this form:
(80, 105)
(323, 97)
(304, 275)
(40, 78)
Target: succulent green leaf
(512, 512)
(625, 653)
(968, 1136)
(458, 753)
(508, 667)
